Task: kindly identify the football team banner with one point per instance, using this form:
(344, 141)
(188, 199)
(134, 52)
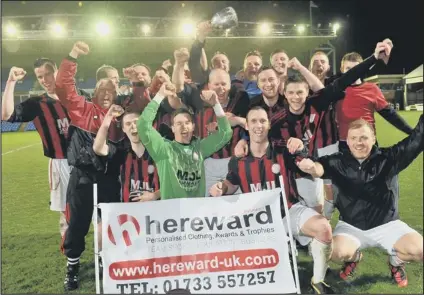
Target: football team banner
(232, 244)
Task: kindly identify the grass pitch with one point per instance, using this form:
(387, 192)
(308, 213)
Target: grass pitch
(32, 262)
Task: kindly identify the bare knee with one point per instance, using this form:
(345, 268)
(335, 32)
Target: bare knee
(319, 228)
(344, 249)
(410, 247)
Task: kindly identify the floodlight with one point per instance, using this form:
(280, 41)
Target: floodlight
(264, 29)
(102, 29)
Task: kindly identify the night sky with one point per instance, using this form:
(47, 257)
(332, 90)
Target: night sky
(364, 23)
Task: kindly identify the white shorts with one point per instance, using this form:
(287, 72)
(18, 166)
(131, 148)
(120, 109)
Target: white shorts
(299, 215)
(326, 151)
(215, 171)
(384, 236)
(311, 190)
(59, 173)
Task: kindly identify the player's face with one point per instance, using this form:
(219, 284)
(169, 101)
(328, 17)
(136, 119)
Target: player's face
(46, 77)
(220, 61)
(252, 64)
(221, 84)
(296, 94)
(347, 65)
(129, 126)
(113, 76)
(268, 83)
(105, 93)
(279, 62)
(183, 128)
(143, 75)
(320, 64)
(360, 142)
(258, 126)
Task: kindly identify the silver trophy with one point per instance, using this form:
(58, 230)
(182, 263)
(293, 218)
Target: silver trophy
(225, 19)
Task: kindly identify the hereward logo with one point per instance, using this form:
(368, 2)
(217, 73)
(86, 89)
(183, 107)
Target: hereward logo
(124, 219)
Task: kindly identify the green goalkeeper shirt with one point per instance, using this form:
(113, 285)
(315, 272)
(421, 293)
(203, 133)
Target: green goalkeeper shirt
(180, 166)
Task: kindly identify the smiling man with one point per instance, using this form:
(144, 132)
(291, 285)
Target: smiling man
(180, 162)
(368, 206)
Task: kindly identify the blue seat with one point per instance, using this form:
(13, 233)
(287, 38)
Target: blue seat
(10, 127)
(30, 127)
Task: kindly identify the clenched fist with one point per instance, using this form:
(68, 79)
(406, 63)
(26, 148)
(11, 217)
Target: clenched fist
(80, 48)
(383, 50)
(210, 97)
(295, 64)
(167, 89)
(181, 55)
(16, 74)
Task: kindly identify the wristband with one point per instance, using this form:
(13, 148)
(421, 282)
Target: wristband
(219, 111)
(158, 98)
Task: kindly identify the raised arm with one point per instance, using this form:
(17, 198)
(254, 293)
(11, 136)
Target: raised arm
(314, 83)
(8, 103)
(361, 69)
(151, 139)
(391, 116)
(217, 140)
(66, 90)
(181, 57)
(198, 62)
(405, 151)
(100, 146)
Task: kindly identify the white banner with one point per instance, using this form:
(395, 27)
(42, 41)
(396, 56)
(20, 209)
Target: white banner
(233, 244)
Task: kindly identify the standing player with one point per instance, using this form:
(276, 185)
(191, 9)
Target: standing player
(180, 162)
(234, 103)
(139, 179)
(368, 206)
(88, 168)
(279, 61)
(51, 121)
(259, 170)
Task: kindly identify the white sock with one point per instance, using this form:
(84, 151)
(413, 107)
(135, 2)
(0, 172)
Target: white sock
(396, 261)
(321, 253)
(73, 261)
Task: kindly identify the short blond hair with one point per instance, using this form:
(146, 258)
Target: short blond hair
(359, 123)
(351, 56)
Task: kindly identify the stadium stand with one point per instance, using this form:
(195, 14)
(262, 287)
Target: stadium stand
(30, 127)
(10, 127)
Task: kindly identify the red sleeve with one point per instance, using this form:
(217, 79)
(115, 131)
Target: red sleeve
(66, 90)
(379, 102)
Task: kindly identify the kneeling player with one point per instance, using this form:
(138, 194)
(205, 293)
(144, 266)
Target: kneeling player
(368, 205)
(259, 170)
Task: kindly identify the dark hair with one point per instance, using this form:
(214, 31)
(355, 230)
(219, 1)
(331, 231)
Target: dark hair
(295, 79)
(45, 61)
(256, 108)
(183, 110)
(275, 52)
(128, 110)
(265, 68)
(142, 65)
(101, 72)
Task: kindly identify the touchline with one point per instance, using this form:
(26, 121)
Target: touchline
(215, 223)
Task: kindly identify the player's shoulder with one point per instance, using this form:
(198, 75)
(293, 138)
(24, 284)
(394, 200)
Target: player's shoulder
(370, 86)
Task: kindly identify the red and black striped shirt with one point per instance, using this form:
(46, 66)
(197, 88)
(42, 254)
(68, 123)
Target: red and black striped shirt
(51, 121)
(138, 175)
(238, 105)
(253, 174)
